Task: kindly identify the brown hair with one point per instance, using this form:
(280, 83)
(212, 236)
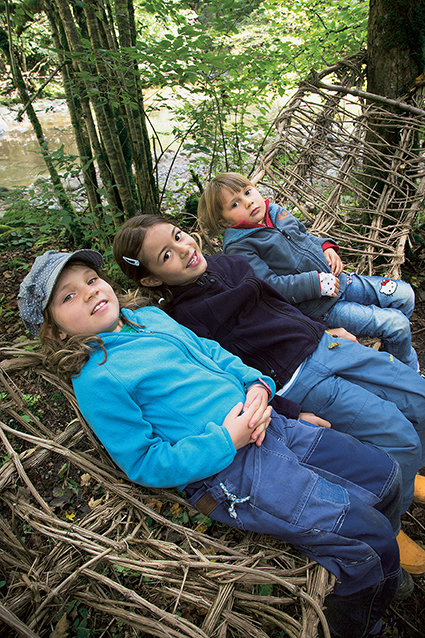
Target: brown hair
(128, 245)
(211, 203)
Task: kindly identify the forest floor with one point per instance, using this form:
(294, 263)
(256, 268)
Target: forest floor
(406, 618)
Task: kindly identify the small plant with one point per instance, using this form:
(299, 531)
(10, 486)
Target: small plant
(75, 618)
(31, 400)
(4, 458)
(126, 571)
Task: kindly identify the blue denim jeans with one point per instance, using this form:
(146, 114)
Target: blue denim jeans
(370, 395)
(331, 497)
(378, 307)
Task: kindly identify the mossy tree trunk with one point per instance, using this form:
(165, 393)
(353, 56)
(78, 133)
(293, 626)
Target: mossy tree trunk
(97, 85)
(76, 115)
(395, 46)
(395, 67)
(133, 112)
(95, 43)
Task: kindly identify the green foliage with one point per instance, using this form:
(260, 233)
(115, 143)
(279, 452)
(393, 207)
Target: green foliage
(125, 571)
(264, 590)
(235, 59)
(228, 63)
(26, 224)
(33, 46)
(76, 619)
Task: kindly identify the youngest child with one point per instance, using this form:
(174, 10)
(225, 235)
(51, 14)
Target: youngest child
(306, 269)
(178, 410)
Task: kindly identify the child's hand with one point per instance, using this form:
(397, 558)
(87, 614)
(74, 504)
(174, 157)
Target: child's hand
(261, 418)
(342, 333)
(334, 261)
(329, 284)
(315, 420)
(237, 423)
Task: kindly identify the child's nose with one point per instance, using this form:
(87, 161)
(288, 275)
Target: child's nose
(90, 292)
(184, 249)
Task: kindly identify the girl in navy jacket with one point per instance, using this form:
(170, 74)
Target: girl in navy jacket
(369, 394)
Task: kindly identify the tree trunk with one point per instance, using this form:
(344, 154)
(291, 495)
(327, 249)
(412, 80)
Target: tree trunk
(73, 224)
(103, 79)
(395, 62)
(104, 97)
(83, 70)
(134, 112)
(75, 112)
(395, 46)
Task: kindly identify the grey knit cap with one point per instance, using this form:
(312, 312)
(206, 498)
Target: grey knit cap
(36, 288)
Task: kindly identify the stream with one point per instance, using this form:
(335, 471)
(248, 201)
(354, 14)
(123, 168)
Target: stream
(20, 158)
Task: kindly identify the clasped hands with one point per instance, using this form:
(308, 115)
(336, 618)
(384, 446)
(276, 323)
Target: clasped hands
(247, 422)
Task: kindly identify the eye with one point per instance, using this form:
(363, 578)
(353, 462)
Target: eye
(234, 204)
(91, 281)
(248, 191)
(67, 298)
(167, 255)
(178, 235)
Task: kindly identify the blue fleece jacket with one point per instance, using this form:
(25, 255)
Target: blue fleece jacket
(159, 400)
(288, 257)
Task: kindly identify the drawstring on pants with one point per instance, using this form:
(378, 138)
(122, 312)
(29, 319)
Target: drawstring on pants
(233, 500)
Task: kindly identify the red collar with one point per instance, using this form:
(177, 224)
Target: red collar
(267, 219)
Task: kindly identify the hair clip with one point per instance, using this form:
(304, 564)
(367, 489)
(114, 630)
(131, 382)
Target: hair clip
(132, 262)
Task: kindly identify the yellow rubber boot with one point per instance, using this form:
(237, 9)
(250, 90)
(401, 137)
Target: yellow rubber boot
(412, 556)
(419, 494)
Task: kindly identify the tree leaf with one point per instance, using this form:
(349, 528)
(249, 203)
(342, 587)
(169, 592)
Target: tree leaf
(60, 631)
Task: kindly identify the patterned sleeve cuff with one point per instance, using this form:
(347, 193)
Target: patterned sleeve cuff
(265, 385)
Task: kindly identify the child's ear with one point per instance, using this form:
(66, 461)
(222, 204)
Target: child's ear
(48, 333)
(150, 281)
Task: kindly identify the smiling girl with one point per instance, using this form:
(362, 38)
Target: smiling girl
(173, 409)
(369, 394)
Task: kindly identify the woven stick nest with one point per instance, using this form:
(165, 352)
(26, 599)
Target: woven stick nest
(129, 555)
(350, 164)
(141, 559)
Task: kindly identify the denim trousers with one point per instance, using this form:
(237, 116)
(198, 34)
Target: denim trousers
(378, 307)
(330, 496)
(370, 395)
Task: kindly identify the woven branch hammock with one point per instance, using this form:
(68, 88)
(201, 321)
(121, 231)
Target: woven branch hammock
(144, 558)
(120, 550)
(333, 161)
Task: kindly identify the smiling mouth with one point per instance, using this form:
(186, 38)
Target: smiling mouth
(193, 260)
(98, 306)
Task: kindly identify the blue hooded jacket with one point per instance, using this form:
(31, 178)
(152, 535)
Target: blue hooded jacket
(288, 257)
